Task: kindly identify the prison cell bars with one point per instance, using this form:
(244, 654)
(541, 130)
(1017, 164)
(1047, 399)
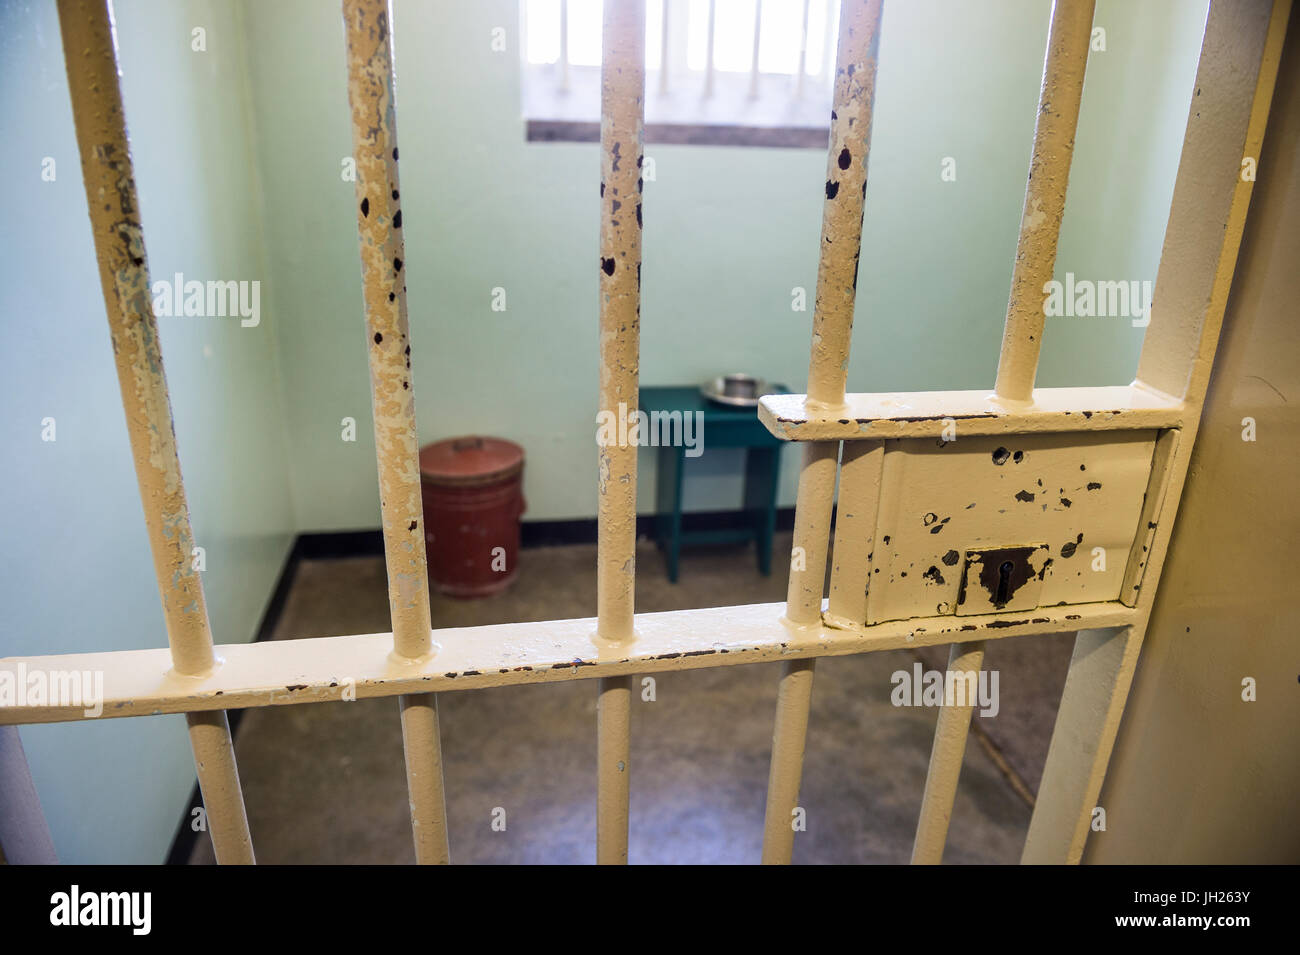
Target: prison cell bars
(106, 169)
(1234, 82)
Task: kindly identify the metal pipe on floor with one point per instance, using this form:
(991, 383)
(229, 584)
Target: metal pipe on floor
(837, 280)
(388, 341)
(622, 125)
(965, 660)
(106, 168)
(1049, 173)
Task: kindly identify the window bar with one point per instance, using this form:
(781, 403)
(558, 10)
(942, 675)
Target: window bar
(1049, 173)
(825, 74)
(663, 50)
(564, 46)
(622, 120)
(90, 56)
(803, 52)
(379, 221)
(837, 278)
(758, 33)
(708, 52)
(965, 661)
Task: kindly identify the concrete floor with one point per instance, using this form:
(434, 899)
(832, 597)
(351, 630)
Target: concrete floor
(324, 783)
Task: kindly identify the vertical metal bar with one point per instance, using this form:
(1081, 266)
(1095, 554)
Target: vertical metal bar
(1199, 253)
(950, 732)
(812, 529)
(826, 73)
(622, 121)
(1049, 173)
(789, 734)
(214, 758)
(106, 167)
(846, 186)
(1101, 672)
(753, 64)
(708, 53)
(664, 50)
(803, 52)
(564, 46)
(388, 341)
(861, 469)
(379, 220)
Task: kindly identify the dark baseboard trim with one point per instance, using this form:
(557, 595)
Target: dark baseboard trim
(583, 530)
(329, 545)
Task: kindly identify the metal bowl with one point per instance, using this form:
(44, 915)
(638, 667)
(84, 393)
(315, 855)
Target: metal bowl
(741, 391)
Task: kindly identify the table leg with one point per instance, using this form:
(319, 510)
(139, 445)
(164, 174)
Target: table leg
(762, 475)
(668, 506)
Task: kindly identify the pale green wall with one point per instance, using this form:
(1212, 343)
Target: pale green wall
(728, 233)
(75, 570)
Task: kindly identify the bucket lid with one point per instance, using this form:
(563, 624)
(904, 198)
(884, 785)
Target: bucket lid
(471, 459)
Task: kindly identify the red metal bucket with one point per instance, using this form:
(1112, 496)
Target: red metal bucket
(473, 499)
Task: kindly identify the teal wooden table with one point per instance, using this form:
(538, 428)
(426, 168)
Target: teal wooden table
(724, 426)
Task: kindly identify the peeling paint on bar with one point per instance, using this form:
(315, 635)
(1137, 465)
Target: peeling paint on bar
(622, 131)
(388, 341)
(106, 168)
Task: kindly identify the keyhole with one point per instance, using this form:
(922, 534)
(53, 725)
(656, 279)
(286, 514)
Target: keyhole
(1004, 583)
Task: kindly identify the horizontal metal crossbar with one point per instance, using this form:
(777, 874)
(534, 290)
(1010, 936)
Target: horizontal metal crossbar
(926, 414)
(321, 669)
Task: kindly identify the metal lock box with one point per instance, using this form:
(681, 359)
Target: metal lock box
(982, 524)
